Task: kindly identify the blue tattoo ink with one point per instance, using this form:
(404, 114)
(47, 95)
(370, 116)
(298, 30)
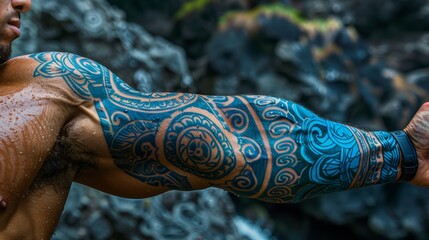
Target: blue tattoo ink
(120, 109)
(255, 146)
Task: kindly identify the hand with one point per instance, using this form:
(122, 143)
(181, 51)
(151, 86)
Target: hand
(418, 131)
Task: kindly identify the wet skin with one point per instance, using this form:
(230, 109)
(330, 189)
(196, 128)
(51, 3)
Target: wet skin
(140, 145)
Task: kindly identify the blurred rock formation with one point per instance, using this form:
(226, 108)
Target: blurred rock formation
(93, 28)
(205, 214)
(354, 61)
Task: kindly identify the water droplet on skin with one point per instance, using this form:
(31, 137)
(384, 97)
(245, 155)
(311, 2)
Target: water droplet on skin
(3, 203)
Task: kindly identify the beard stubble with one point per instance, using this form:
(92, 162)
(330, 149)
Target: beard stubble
(5, 53)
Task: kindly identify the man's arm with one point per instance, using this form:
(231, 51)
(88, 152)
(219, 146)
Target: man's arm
(254, 146)
(294, 154)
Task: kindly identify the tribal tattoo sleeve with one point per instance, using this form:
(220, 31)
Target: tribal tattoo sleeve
(254, 146)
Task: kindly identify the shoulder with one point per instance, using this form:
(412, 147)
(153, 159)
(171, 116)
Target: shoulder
(43, 64)
(79, 73)
(47, 59)
(48, 64)
(53, 73)
(76, 72)
(59, 64)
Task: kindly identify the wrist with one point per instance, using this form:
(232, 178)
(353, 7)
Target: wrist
(409, 162)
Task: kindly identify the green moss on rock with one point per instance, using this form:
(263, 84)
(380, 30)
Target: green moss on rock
(191, 6)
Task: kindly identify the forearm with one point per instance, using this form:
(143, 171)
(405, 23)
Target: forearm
(292, 154)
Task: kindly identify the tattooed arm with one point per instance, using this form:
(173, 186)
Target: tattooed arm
(254, 146)
(295, 154)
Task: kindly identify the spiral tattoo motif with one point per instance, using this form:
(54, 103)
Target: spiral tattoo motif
(135, 151)
(194, 143)
(60, 65)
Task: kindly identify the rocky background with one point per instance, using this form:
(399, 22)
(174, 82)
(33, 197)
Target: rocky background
(359, 62)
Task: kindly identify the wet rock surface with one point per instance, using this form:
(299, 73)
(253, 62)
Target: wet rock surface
(354, 61)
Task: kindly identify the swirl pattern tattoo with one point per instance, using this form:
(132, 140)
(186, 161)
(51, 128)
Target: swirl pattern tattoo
(130, 137)
(135, 151)
(194, 143)
(255, 146)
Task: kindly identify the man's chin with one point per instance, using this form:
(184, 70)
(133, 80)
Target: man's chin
(5, 53)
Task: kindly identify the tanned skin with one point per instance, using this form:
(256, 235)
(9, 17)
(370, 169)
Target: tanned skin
(65, 118)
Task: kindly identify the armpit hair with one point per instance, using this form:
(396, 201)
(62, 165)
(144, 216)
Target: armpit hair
(62, 164)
